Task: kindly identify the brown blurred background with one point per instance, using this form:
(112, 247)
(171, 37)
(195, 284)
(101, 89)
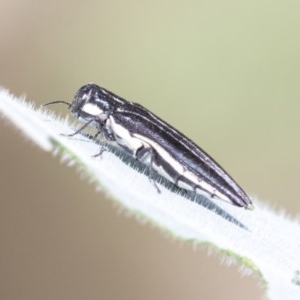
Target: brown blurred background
(226, 73)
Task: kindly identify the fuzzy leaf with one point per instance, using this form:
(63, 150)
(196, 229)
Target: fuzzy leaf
(262, 241)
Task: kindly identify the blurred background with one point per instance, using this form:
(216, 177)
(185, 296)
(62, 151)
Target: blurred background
(226, 73)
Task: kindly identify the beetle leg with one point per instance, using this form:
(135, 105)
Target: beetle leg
(103, 135)
(78, 130)
(148, 151)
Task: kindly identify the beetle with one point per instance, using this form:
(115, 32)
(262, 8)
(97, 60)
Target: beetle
(144, 136)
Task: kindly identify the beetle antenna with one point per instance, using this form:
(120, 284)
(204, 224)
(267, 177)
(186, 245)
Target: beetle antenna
(56, 102)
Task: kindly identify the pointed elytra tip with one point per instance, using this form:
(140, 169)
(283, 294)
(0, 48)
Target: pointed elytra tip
(250, 207)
